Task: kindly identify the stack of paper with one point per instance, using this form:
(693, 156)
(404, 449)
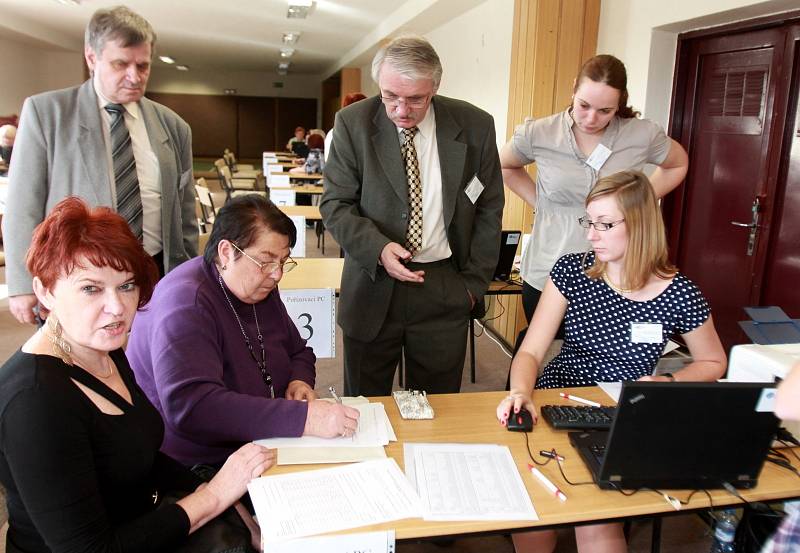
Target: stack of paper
(467, 482)
(374, 432)
(312, 502)
(372, 542)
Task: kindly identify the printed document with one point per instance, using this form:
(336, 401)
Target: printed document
(467, 482)
(374, 429)
(313, 502)
(362, 542)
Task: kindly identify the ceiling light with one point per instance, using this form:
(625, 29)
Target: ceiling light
(283, 65)
(166, 59)
(230, 91)
(287, 52)
(69, 2)
(299, 9)
(182, 67)
(291, 37)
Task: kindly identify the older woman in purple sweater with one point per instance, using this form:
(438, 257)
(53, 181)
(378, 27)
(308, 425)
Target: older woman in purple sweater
(216, 351)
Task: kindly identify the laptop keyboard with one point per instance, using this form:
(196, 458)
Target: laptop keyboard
(568, 417)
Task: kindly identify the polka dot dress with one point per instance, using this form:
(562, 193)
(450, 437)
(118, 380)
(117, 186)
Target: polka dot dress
(599, 344)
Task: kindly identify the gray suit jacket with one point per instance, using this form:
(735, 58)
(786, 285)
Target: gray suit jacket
(365, 203)
(60, 151)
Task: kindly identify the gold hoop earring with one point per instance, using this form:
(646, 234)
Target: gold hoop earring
(61, 347)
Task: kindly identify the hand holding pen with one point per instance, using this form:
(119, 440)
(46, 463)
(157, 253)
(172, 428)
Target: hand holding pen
(331, 420)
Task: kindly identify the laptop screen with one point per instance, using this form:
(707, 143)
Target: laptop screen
(690, 434)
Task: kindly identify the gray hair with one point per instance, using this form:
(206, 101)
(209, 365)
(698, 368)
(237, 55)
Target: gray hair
(8, 131)
(119, 23)
(411, 56)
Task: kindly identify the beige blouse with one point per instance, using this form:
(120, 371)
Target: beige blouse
(563, 180)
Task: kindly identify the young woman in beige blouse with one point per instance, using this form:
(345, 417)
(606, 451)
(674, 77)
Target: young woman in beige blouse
(598, 135)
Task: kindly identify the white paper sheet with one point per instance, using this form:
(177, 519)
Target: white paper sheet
(328, 455)
(467, 482)
(362, 542)
(373, 431)
(612, 389)
(313, 502)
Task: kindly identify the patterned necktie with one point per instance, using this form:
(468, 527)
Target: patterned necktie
(129, 200)
(409, 153)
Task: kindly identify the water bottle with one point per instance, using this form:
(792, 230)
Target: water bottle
(725, 532)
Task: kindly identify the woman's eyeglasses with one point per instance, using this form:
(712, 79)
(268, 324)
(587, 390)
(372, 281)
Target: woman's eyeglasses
(585, 222)
(269, 266)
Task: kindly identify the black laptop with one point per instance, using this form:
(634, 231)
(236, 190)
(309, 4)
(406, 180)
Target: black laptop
(686, 435)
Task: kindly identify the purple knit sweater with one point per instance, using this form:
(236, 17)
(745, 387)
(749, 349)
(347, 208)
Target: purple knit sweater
(190, 358)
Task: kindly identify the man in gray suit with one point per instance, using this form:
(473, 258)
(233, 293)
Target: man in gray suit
(106, 143)
(414, 195)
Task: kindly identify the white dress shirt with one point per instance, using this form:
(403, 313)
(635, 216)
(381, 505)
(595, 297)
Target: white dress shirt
(147, 170)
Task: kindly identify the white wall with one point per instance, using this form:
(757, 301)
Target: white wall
(28, 70)
(475, 50)
(644, 36)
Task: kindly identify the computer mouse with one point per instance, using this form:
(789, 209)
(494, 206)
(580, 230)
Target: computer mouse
(520, 422)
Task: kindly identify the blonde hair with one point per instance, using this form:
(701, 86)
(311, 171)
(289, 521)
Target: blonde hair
(646, 253)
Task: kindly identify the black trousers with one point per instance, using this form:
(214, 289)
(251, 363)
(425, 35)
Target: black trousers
(427, 323)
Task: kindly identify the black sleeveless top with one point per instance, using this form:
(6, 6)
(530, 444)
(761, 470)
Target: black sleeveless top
(78, 479)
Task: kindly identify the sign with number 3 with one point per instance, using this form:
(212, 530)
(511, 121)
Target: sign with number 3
(314, 314)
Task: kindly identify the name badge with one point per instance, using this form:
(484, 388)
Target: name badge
(598, 157)
(646, 333)
(474, 189)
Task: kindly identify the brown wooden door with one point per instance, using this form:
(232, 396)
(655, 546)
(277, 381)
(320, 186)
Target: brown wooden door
(732, 123)
(782, 275)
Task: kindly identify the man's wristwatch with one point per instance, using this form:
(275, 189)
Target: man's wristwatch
(670, 376)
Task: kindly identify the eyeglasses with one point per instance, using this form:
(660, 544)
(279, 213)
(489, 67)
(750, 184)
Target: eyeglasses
(270, 266)
(585, 222)
(414, 102)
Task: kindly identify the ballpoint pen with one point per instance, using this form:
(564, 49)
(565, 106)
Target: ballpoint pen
(579, 399)
(552, 488)
(332, 390)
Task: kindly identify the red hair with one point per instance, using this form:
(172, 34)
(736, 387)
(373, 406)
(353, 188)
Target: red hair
(352, 98)
(73, 230)
(315, 141)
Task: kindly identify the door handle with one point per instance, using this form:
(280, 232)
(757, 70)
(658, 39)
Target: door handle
(752, 225)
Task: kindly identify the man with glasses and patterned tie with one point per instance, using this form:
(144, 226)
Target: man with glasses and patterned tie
(106, 143)
(414, 195)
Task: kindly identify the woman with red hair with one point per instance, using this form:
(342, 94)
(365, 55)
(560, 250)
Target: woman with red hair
(351, 98)
(79, 441)
(314, 162)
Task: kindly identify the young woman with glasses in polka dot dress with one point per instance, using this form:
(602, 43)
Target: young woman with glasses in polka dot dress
(620, 303)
